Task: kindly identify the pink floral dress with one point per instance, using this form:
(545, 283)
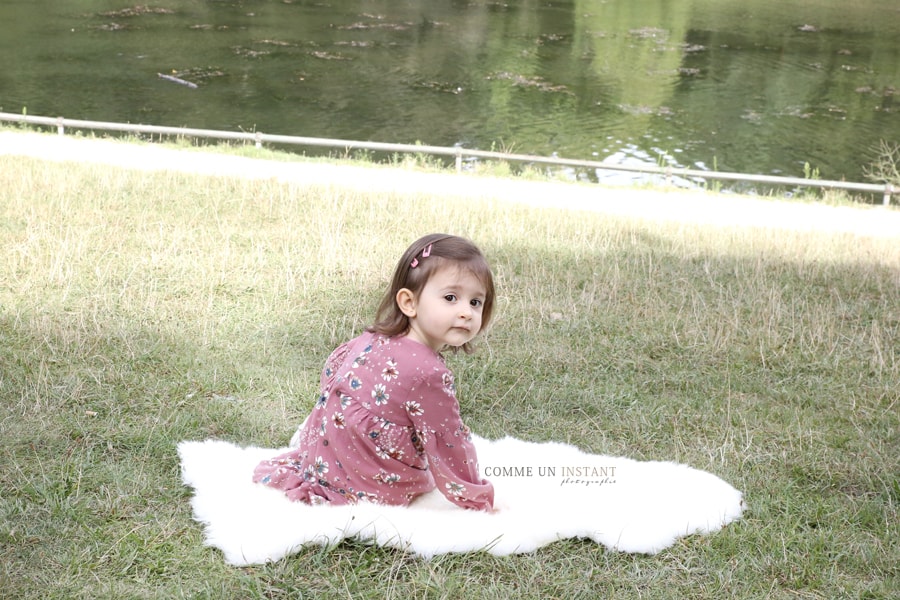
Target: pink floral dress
(386, 428)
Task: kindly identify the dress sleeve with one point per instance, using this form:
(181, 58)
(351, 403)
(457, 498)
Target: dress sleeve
(447, 442)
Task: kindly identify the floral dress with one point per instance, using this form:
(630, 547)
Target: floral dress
(386, 428)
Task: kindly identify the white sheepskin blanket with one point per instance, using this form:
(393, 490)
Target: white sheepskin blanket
(543, 493)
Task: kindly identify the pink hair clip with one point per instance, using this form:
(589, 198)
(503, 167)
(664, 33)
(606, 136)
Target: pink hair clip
(425, 254)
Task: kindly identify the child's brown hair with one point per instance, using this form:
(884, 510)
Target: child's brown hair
(420, 261)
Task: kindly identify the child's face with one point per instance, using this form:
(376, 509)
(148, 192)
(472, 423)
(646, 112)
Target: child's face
(447, 312)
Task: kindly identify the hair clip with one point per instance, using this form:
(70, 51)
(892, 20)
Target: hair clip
(426, 252)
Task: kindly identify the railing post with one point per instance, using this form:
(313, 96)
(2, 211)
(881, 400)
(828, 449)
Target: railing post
(60, 128)
(258, 139)
(458, 160)
(888, 190)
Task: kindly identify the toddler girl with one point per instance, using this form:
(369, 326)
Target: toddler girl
(386, 427)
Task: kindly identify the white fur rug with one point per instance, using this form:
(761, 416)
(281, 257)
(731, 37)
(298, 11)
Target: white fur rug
(543, 493)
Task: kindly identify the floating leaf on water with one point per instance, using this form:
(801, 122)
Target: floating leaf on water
(538, 83)
(113, 27)
(208, 27)
(199, 73)
(354, 26)
(751, 115)
(355, 44)
(378, 23)
(136, 11)
(328, 55)
(274, 43)
(441, 86)
(249, 52)
(649, 32)
(550, 37)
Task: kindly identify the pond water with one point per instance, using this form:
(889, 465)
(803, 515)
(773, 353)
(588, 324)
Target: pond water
(754, 86)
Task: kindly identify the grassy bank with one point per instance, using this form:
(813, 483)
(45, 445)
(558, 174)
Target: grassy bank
(140, 309)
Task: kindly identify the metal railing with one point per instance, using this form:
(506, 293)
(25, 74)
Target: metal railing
(456, 152)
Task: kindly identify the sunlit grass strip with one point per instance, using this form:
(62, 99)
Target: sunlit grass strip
(137, 310)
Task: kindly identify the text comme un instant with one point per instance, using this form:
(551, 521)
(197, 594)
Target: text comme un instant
(530, 471)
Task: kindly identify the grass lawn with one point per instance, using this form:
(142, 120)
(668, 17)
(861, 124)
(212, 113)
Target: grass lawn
(139, 309)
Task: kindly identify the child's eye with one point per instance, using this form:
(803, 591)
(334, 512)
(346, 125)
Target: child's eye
(476, 302)
(450, 297)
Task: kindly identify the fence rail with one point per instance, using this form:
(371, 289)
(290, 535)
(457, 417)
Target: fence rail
(456, 152)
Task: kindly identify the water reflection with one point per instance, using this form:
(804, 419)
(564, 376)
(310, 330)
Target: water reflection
(759, 86)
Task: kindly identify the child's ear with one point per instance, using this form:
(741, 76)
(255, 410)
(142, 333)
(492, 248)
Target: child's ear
(406, 302)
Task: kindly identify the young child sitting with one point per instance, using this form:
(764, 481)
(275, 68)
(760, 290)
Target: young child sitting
(386, 427)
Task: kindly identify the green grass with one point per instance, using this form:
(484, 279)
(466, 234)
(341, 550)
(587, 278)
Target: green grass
(138, 310)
